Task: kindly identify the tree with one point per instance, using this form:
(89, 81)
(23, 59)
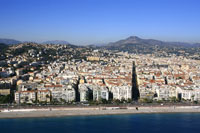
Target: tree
(173, 99)
(196, 102)
(192, 98)
(123, 100)
(103, 101)
(47, 96)
(129, 100)
(5, 99)
(54, 101)
(116, 101)
(26, 99)
(146, 100)
(62, 100)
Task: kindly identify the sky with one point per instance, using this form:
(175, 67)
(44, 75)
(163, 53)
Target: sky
(84, 22)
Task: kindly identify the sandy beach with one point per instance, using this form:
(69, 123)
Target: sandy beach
(67, 111)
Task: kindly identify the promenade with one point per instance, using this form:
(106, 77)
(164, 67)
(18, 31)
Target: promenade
(76, 111)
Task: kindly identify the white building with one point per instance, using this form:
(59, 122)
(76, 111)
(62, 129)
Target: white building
(122, 92)
(25, 96)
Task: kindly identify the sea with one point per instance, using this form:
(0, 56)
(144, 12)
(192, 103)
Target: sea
(134, 123)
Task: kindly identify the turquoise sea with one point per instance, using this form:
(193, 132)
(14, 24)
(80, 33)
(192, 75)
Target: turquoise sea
(135, 123)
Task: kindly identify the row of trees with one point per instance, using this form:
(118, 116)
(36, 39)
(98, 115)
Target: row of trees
(9, 99)
(170, 100)
(5, 99)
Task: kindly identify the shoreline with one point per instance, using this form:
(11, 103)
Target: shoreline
(89, 111)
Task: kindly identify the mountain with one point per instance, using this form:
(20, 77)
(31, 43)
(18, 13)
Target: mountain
(9, 41)
(134, 44)
(56, 42)
(98, 44)
(136, 40)
(2, 46)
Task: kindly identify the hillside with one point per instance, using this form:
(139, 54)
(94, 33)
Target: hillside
(135, 44)
(9, 41)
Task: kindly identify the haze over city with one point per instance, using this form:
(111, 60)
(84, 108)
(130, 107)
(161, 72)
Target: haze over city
(84, 22)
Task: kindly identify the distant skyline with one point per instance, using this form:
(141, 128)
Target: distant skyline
(85, 22)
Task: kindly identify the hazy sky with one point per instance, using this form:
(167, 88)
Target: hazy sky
(99, 21)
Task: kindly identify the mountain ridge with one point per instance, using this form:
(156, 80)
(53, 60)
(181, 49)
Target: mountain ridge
(62, 42)
(136, 40)
(9, 41)
(130, 41)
